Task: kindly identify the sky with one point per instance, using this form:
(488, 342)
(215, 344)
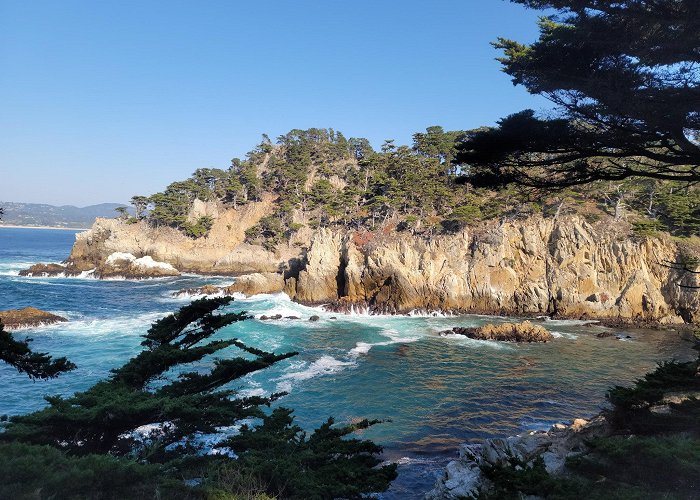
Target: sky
(105, 100)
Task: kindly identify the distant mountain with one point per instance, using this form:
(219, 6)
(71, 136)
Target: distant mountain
(36, 214)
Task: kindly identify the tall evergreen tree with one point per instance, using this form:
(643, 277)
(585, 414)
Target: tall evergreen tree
(625, 79)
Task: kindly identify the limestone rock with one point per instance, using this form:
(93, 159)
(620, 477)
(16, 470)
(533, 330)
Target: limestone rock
(29, 317)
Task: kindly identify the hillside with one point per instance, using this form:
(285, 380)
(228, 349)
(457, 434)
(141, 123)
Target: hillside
(399, 230)
(39, 214)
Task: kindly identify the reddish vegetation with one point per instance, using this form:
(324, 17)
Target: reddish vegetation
(362, 238)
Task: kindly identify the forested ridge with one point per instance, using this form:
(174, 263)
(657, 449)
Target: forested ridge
(321, 179)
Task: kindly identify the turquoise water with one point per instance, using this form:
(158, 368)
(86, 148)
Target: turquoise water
(437, 391)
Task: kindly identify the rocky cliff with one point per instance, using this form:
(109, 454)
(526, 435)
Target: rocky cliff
(564, 267)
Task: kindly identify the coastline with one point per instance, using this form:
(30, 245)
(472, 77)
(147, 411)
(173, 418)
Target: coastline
(13, 226)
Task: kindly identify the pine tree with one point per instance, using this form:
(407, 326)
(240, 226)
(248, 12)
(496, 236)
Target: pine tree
(155, 389)
(625, 81)
(35, 364)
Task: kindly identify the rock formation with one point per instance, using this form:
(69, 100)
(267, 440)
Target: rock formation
(463, 477)
(506, 332)
(247, 284)
(29, 317)
(563, 267)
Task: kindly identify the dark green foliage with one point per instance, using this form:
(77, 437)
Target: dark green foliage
(140, 204)
(462, 216)
(101, 419)
(42, 472)
(516, 478)
(650, 454)
(668, 466)
(336, 467)
(123, 212)
(270, 232)
(632, 405)
(199, 228)
(647, 227)
(78, 438)
(317, 178)
(35, 364)
(624, 77)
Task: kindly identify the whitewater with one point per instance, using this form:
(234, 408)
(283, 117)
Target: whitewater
(434, 391)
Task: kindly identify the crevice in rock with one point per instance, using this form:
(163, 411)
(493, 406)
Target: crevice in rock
(340, 279)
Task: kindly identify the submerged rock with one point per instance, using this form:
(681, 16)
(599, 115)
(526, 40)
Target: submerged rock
(28, 317)
(42, 270)
(506, 332)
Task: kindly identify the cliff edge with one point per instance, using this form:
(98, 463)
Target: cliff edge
(564, 267)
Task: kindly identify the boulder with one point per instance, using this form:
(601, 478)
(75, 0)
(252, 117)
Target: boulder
(41, 270)
(506, 332)
(126, 265)
(28, 317)
(314, 318)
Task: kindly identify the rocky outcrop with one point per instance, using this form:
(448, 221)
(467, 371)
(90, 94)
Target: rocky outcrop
(505, 332)
(29, 317)
(126, 265)
(256, 283)
(116, 265)
(463, 477)
(40, 270)
(562, 267)
(222, 251)
(565, 268)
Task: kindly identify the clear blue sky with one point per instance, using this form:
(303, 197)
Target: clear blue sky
(102, 100)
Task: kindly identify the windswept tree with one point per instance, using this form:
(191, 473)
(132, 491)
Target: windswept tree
(625, 80)
(140, 204)
(123, 212)
(18, 354)
(154, 410)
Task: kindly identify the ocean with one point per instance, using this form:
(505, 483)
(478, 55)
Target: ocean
(434, 392)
